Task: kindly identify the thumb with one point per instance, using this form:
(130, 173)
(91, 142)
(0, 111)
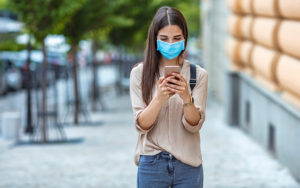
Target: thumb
(161, 80)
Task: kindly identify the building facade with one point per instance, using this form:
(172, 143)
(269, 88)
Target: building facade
(252, 54)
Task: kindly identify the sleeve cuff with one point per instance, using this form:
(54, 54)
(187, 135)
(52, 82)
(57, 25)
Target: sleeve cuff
(137, 125)
(194, 128)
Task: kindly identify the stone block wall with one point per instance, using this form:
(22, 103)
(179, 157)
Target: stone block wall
(265, 43)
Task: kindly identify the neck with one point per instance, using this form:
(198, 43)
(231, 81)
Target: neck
(170, 62)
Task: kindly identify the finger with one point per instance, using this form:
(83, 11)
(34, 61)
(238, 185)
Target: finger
(164, 82)
(179, 88)
(179, 83)
(167, 80)
(178, 76)
(164, 89)
(174, 81)
(170, 93)
(174, 90)
(161, 79)
(170, 77)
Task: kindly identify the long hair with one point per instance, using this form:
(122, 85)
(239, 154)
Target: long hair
(163, 17)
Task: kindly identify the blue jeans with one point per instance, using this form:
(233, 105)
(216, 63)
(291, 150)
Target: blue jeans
(164, 171)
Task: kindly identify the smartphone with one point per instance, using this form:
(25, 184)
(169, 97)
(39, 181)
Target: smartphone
(170, 69)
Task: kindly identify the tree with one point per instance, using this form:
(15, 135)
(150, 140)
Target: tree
(3, 4)
(42, 18)
(99, 39)
(93, 15)
(191, 11)
(142, 12)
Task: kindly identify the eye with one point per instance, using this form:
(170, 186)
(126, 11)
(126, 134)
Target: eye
(164, 39)
(177, 39)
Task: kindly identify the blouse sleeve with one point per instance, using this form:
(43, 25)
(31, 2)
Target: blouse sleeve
(136, 97)
(199, 94)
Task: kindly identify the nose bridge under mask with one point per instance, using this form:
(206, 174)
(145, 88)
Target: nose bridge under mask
(170, 50)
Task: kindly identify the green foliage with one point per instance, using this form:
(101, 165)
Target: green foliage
(92, 16)
(43, 17)
(3, 4)
(11, 45)
(191, 11)
(121, 23)
(142, 12)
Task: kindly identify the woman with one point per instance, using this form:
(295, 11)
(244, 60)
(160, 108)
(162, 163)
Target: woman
(168, 116)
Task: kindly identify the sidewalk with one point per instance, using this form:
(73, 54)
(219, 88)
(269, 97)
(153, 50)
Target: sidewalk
(104, 158)
(232, 159)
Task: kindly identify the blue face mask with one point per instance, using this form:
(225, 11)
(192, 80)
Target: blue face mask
(170, 50)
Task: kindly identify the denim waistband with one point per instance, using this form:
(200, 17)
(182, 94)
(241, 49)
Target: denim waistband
(165, 155)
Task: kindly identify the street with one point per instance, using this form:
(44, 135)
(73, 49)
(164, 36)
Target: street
(102, 156)
(66, 119)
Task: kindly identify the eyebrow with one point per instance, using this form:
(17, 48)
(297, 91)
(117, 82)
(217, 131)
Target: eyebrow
(167, 36)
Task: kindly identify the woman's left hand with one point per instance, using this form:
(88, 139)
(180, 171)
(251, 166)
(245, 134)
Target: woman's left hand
(179, 86)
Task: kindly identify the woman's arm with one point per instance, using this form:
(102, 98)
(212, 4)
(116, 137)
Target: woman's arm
(146, 115)
(194, 114)
(191, 113)
(149, 115)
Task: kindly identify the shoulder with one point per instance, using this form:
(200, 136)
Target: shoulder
(202, 76)
(201, 72)
(136, 71)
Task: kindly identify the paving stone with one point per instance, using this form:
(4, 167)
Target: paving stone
(231, 159)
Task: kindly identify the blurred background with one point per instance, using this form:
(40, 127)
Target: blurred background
(65, 111)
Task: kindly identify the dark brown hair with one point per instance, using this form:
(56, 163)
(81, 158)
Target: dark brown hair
(163, 17)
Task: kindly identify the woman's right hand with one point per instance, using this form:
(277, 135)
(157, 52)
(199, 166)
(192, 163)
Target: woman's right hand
(163, 94)
(148, 116)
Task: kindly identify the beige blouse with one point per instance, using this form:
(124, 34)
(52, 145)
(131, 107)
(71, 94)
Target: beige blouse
(170, 132)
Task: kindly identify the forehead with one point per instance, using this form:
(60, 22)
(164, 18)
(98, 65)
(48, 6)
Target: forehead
(170, 30)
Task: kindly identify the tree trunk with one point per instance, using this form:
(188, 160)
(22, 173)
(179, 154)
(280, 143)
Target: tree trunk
(75, 82)
(44, 94)
(29, 127)
(120, 63)
(95, 90)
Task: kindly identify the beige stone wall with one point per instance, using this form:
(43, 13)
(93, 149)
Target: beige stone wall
(265, 43)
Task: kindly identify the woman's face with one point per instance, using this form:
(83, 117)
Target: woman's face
(170, 34)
